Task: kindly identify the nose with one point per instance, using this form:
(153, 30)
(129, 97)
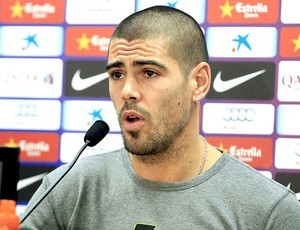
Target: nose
(131, 90)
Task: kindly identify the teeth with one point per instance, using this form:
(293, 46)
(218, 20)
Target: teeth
(132, 118)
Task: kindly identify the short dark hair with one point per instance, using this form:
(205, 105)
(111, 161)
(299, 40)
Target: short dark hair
(186, 39)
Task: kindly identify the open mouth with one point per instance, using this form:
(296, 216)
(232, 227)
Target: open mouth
(132, 121)
(132, 118)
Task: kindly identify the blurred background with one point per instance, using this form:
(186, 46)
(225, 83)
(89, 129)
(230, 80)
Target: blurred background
(53, 83)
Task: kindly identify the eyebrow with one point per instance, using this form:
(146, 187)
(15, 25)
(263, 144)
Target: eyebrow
(114, 64)
(136, 63)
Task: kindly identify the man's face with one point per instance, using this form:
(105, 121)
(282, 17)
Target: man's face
(150, 94)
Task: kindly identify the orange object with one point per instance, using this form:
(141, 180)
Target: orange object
(9, 220)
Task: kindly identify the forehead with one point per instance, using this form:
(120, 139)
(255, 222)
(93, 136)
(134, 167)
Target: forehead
(121, 49)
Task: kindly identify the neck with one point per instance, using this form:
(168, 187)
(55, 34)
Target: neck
(180, 162)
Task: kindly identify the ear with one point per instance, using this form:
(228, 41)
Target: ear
(201, 76)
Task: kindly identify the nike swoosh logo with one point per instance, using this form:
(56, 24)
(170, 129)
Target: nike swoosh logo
(297, 194)
(29, 181)
(222, 86)
(80, 84)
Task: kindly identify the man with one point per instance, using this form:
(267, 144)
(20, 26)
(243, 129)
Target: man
(168, 176)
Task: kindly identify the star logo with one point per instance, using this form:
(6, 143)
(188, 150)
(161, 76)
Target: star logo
(11, 143)
(83, 42)
(297, 43)
(227, 9)
(17, 10)
(30, 40)
(96, 114)
(242, 40)
(221, 146)
(173, 5)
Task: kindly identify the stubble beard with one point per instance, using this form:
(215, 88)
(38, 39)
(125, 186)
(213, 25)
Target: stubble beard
(162, 133)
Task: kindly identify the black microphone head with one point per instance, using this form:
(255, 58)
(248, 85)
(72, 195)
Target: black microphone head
(96, 133)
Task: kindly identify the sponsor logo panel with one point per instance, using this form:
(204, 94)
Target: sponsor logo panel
(240, 80)
(34, 78)
(30, 114)
(290, 11)
(291, 181)
(247, 11)
(31, 177)
(86, 79)
(290, 42)
(31, 40)
(226, 118)
(257, 152)
(289, 81)
(288, 120)
(88, 41)
(238, 42)
(35, 147)
(287, 153)
(80, 115)
(35, 11)
(195, 8)
(71, 142)
(98, 12)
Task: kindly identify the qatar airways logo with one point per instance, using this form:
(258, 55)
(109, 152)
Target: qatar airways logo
(245, 154)
(291, 81)
(39, 11)
(27, 77)
(251, 11)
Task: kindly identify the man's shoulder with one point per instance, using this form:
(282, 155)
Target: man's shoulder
(255, 180)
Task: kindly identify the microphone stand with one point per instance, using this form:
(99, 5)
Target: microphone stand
(71, 164)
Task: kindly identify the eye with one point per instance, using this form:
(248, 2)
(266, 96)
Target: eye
(150, 74)
(116, 75)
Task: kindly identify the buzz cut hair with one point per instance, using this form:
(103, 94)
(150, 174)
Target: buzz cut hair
(182, 33)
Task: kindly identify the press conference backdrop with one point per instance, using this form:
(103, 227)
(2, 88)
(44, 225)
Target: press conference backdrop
(53, 83)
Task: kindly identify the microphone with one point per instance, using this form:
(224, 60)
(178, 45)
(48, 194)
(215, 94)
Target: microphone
(92, 137)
